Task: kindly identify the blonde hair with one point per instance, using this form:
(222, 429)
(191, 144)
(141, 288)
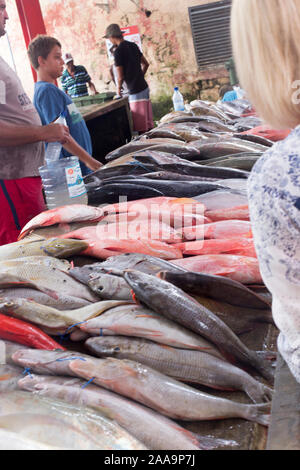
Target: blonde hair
(265, 39)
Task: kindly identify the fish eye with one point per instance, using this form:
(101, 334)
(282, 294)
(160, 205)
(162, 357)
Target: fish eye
(9, 304)
(117, 349)
(100, 289)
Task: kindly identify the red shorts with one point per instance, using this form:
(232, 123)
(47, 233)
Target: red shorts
(20, 201)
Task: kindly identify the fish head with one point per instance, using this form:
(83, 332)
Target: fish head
(104, 346)
(62, 248)
(138, 281)
(104, 284)
(82, 274)
(8, 305)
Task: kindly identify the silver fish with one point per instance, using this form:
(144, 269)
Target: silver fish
(164, 394)
(156, 431)
(187, 366)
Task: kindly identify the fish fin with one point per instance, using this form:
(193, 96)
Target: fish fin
(165, 346)
(267, 355)
(134, 297)
(258, 392)
(5, 377)
(224, 271)
(49, 292)
(260, 414)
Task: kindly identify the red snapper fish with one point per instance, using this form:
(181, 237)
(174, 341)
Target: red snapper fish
(234, 246)
(234, 213)
(144, 230)
(64, 214)
(225, 229)
(103, 248)
(238, 268)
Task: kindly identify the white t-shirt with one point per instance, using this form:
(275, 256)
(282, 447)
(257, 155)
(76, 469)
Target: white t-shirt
(16, 108)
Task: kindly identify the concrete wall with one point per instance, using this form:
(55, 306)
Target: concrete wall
(166, 38)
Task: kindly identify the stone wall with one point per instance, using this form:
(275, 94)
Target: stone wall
(166, 37)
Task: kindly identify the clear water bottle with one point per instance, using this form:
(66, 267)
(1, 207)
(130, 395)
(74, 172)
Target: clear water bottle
(63, 183)
(178, 101)
(53, 150)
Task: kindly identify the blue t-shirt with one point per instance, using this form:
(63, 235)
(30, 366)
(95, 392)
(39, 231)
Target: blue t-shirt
(230, 96)
(51, 102)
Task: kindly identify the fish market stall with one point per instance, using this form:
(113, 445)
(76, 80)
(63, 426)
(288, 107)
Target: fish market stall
(152, 312)
(109, 124)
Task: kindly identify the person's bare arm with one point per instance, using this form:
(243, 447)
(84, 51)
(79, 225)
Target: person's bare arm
(13, 136)
(144, 64)
(92, 88)
(120, 75)
(112, 74)
(75, 149)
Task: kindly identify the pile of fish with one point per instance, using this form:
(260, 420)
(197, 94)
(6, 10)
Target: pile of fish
(119, 320)
(143, 353)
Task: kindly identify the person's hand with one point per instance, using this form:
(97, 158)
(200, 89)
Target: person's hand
(93, 164)
(56, 133)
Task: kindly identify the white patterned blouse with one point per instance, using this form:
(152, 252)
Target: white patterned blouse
(274, 200)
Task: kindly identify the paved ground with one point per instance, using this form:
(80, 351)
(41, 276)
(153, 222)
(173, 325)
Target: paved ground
(284, 432)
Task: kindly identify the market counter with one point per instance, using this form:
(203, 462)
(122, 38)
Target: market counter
(109, 124)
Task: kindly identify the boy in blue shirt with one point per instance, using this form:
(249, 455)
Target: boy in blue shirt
(46, 58)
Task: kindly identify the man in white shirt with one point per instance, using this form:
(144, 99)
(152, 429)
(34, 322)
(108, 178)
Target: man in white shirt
(22, 140)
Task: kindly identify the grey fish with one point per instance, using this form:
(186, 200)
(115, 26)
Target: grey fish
(164, 394)
(52, 279)
(167, 175)
(9, 349)
(135, 146)
(212, 149)
(111, 193)
(57, 300)
(60, 424)
(62, 265)
(51, 319)
(245, 163)
(132, 320)
(202, 170)
(165, 133)
(156, 431)
(258, 139)
(181, 364)
(172, 302)
(144, 263)
(105, 286)
(163, 187)
(216, 287)
(41, 247)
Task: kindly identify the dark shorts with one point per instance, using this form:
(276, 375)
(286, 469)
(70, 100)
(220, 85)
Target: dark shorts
(20, 201)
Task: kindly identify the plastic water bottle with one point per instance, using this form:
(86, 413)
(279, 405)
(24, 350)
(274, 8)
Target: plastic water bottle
(54, 148)
(63, 183)
(178, 101)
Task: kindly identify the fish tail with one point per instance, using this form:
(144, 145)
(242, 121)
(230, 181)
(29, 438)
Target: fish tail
(258, 392)
(264, 363)
(259, 413)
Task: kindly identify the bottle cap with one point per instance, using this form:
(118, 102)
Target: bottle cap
(176, 88)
